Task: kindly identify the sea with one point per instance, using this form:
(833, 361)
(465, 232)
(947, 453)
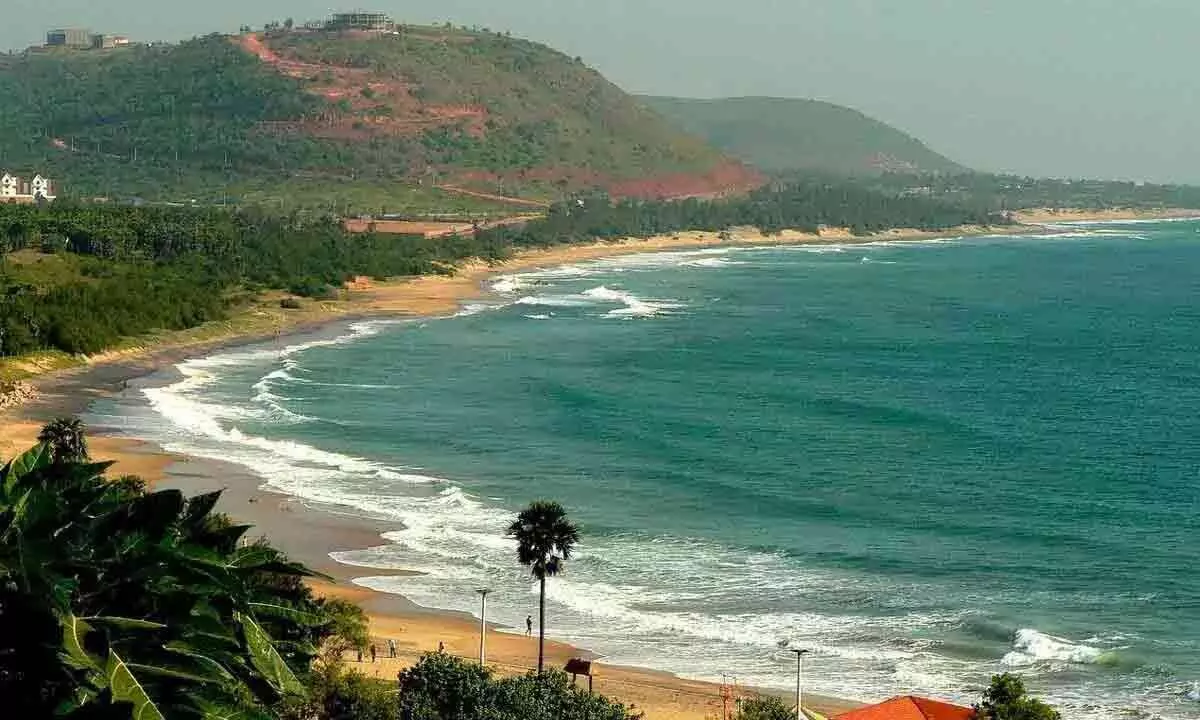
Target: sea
(925, 462)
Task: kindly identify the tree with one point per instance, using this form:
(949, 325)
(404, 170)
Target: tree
(765, 707)
(1007, 699)
(65, 440)
(545, 539)
(348, 628)
(114, 600)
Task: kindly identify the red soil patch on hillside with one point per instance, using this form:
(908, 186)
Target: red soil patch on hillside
(373, 105)
(429, 228)
(728, 178)
(366, 105)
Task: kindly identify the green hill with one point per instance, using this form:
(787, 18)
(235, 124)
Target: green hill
(780, 135)
(370, 120)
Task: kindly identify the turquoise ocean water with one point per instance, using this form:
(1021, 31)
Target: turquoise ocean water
(926, 462)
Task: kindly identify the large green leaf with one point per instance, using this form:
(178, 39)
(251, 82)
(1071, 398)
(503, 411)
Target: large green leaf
(215, 711)
(254, 556)
(267, 659)
(199, 507)
(18, 510)
(289, 613)
(29, 461)
(125, 687)
(203, 662)
(172, 673)
(74, 631)
(124, 623)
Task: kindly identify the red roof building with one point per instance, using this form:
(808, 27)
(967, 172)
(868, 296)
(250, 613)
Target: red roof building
(910, 707)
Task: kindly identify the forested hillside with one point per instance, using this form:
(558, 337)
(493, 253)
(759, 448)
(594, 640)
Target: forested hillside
(81, 277)
(368, 119)
(783, 134)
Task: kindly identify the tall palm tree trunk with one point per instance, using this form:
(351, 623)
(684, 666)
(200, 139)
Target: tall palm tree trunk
(542, 627)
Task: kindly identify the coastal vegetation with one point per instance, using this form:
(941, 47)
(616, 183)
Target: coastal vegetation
(443, 687)
(764, 707)
(1007, 699)
(1001, 193)
(545, 539)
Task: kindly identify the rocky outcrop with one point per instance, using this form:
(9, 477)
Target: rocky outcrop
(13, 394)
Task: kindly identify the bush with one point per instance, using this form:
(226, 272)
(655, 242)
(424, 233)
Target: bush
(335, 693)
(765, 708)
(443, 687)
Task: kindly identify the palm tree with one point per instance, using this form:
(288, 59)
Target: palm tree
(65, 436)
(545, 539)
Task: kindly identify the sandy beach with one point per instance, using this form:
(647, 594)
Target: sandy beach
(311, 533)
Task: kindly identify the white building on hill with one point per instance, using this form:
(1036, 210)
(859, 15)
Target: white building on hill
(15, 190)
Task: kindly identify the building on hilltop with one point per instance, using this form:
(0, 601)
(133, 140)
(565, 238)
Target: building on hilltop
(14, 190)
(107, 41)
(360, 20)
(76, 38)
(84, 39)
(909, 707)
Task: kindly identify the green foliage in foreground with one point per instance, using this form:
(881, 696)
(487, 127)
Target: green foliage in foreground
(118, 603)
(765, 707)
(443, 687)
(338, 693)
(1007, 699)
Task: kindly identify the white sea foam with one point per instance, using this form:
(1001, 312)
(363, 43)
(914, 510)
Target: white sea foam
(634, 306)
(509, 284)
(553, 301)
(1031, 646)
(711, 262)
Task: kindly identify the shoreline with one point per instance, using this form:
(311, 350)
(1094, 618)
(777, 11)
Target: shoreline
(311, 533)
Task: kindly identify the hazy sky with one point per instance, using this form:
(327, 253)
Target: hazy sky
(1100, 88)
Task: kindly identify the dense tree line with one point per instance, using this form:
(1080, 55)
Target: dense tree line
(804, 205)
(997, 193)
(80, 277)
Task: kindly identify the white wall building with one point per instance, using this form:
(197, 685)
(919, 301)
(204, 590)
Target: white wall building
(15, 190)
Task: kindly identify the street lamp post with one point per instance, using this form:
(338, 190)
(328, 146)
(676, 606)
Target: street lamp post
(800, 653)
(483, 593)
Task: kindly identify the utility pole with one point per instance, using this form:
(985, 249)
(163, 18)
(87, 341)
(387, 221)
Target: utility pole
(483, 593)
(800, 653)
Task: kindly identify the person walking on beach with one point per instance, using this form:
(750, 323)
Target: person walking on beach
(528, 625)
(373, 653)
(391, 648)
